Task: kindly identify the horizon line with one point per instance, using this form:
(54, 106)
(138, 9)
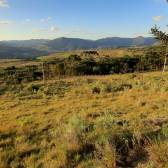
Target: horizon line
(75, 38)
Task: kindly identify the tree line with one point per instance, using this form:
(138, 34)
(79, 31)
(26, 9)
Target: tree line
(76, 65)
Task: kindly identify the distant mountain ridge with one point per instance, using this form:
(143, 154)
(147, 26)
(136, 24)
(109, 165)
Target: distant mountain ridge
(45, 47)
(17, 43)
(65, 44)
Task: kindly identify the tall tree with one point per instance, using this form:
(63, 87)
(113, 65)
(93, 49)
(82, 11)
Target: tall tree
(163, 37)
(73, 60)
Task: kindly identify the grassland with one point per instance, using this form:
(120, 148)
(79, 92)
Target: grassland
(42, 57)
(61, 124)
(4, 63)
(65, 55)
(112, 53)
(102, 52)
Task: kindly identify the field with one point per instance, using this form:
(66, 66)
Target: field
(60, 124)
(42, 57)
(4, 63)
(102, 52)
(112, 53)
(65, 55)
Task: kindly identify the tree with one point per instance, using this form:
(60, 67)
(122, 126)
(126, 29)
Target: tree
(59, 69)
(73, 60)
(161, 36)
(126, 67)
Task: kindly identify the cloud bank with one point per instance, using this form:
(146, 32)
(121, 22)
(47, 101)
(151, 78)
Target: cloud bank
(36, 30)
(7, 22)
(4, 4)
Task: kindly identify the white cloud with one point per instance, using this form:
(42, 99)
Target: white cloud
(54, 29)
(78, 30)
(48, 18)
(38, 29)
(7, 22)
(158, 18)
(42, 20)
(65, 34)
(28, 20)
(3, 3)
(23, 22)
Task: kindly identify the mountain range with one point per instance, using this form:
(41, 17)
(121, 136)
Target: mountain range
(36, 47)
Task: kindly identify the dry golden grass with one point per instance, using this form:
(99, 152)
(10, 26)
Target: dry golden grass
(102, 53)
(4, 63)
(64, 125)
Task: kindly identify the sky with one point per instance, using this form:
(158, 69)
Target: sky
(85, 19)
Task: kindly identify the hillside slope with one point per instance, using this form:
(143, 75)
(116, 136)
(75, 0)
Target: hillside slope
(64, 124)
(65, 44)
(44, 47)
(16, 43)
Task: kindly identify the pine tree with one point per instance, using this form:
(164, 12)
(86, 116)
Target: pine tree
(163, 37)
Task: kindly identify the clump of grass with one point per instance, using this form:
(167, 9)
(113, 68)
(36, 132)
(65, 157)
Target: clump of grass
(157, 152)
(106, 155)
(32, 87)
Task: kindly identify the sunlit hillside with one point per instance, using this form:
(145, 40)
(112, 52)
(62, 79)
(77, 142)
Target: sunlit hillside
(88, 121)
(102, 52)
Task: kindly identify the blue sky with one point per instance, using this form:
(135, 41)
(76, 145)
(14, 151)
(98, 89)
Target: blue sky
(86, 19)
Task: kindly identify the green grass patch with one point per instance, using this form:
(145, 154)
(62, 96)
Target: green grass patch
(41, 58)
(65, 55)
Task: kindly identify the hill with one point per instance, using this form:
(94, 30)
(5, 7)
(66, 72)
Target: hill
(67, 44)
(7, 51)
(29, 48)
(117, 41)
(16, 43)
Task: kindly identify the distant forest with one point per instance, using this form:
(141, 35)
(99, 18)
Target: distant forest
(85, 64)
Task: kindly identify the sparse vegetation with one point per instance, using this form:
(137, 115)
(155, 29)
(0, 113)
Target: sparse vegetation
(62, 124)
(115, 120)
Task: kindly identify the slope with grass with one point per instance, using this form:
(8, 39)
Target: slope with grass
(4, 63)
(103, 52)
(63, 124)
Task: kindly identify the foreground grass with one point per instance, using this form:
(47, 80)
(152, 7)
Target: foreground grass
(63, 124)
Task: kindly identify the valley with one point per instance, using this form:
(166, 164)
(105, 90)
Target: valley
(34, 48)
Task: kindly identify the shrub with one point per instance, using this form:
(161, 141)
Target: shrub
(25, 80)
(32, 87)
(9, 81)
(96, 89)
(16, 81)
